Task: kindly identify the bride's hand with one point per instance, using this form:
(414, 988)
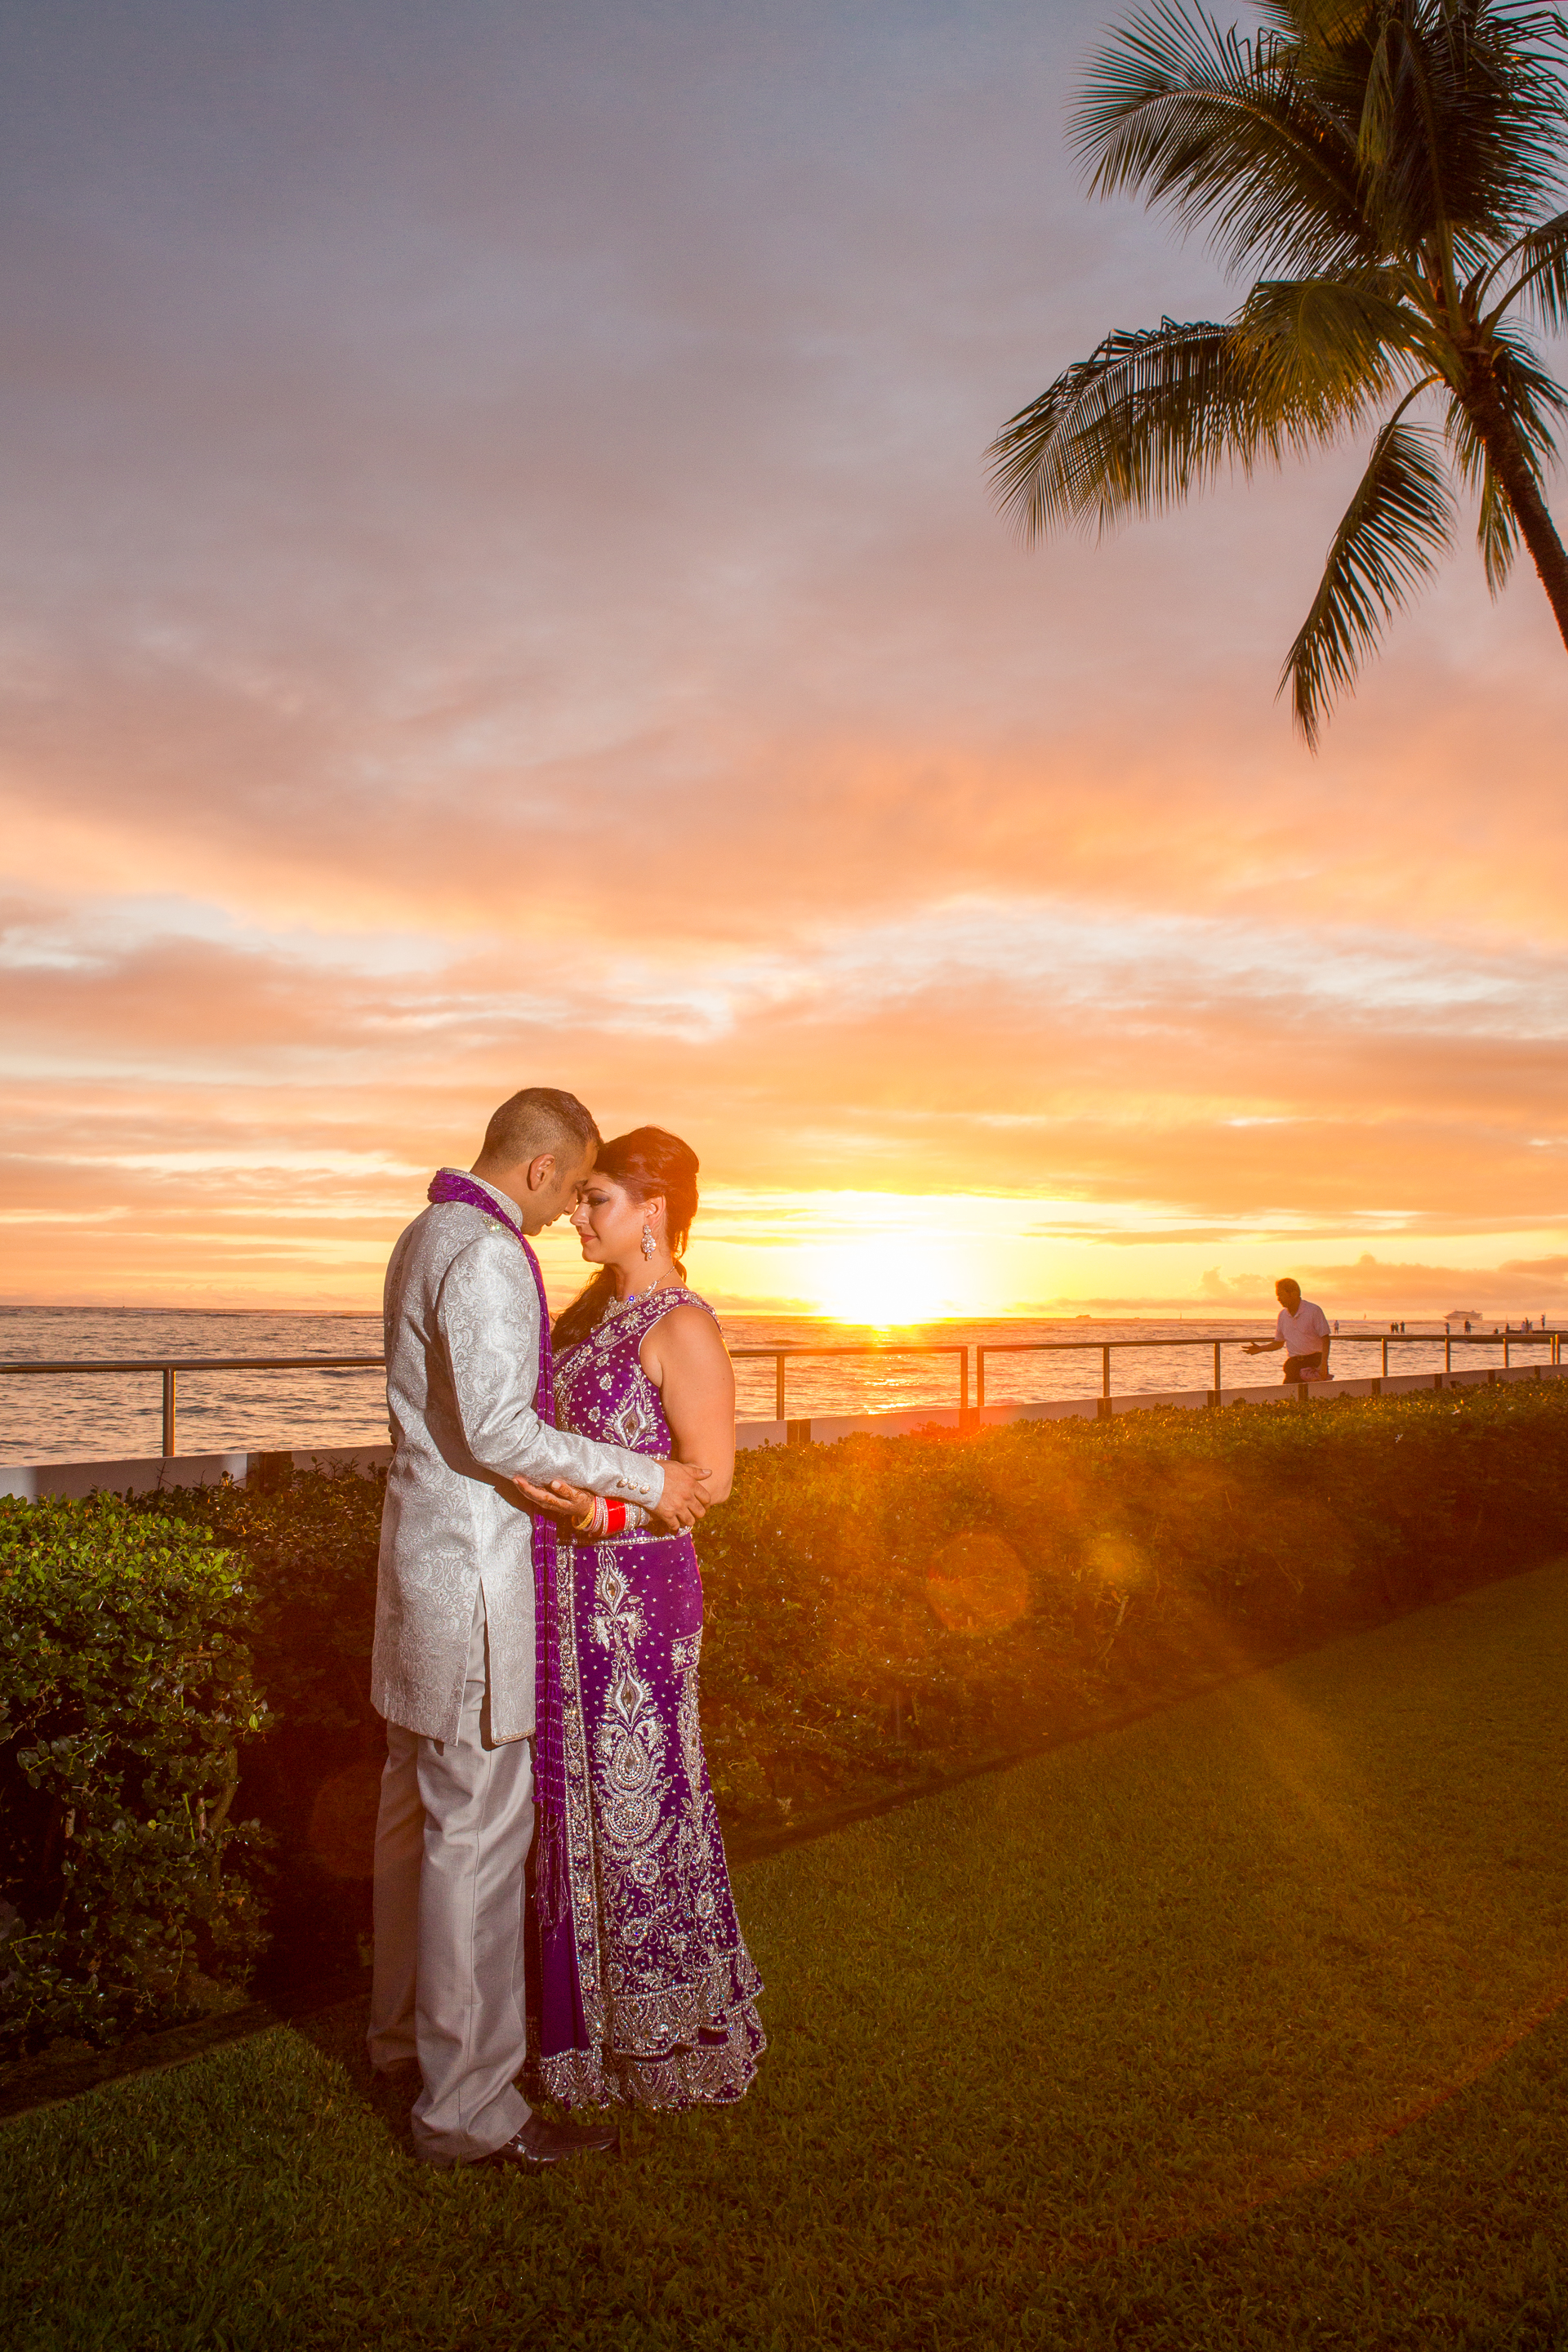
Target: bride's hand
(562, 1501)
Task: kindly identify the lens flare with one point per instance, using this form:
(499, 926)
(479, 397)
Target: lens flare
(977, 1584)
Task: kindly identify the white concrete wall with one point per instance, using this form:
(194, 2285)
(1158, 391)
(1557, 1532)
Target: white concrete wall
(145, 1474)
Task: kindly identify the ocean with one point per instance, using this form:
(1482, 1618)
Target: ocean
(111, 1416)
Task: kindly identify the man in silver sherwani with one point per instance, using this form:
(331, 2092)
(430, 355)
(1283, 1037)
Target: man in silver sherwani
(453, 1666)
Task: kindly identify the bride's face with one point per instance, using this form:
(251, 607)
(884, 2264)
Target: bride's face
(609, 1222)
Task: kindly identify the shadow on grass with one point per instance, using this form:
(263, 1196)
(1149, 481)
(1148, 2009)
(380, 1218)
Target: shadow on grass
(337, 2033)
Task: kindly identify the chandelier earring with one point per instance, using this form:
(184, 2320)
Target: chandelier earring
(648, 1244)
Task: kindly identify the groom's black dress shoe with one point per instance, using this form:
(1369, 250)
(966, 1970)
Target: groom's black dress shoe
(539, 2145)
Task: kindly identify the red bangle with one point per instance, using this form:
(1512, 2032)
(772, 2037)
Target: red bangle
(617, 1518)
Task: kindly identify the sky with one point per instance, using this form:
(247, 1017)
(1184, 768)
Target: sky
(499, 587)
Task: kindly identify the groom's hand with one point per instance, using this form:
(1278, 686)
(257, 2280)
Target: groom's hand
(683, 1502)
(558, 1498)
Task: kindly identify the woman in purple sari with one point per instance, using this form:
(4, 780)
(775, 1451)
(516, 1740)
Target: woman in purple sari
(647, 1989)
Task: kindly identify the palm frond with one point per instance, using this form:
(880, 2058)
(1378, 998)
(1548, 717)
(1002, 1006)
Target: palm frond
(1541, 259)
(1148, 417)
(1529, 395)
(1460, 136)
(1496, 530)
(1329, 345)
(1219, 129)
(1344, 132)
(1400, 519)
(1376, 132)
(1504, 110)
(1320, 24)
(1399, 139)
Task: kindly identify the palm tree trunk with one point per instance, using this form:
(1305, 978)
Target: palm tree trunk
(1512, 468)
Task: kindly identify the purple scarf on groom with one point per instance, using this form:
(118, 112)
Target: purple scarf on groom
(549, 1749)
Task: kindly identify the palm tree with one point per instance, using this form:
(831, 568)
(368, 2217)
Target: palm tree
(1391, 166)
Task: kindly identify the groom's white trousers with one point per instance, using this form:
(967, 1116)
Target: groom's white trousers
(451, 1841)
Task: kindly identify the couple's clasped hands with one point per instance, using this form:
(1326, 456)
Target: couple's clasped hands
(681, 1505)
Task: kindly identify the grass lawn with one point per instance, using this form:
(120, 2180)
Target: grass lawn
(1238, 2027)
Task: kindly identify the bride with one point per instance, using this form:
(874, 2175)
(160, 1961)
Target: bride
(647, 1989)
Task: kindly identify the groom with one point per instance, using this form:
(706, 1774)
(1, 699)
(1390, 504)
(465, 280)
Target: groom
(453, 1666)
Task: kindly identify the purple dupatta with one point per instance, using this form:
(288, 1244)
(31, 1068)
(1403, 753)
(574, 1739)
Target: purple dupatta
(549, 1751)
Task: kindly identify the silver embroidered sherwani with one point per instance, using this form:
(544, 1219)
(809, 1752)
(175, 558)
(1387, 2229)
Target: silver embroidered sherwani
(462, 1362)
(452, 1669)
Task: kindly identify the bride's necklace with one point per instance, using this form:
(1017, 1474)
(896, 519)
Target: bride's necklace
(619, 1306)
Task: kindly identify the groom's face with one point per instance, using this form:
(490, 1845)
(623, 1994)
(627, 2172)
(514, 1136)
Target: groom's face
(552, 1183)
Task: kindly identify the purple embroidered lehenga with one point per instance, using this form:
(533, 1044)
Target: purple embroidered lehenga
(647, 1991)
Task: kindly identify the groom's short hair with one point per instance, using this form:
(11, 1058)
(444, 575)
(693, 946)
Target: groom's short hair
(537, 1121)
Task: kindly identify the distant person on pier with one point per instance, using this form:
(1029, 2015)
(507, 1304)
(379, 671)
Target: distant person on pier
(1302, 1331)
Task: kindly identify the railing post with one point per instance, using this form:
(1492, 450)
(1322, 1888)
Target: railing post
(778, 1386)
(1505, 1347)
(1386, 1359)
(1105, 1377)
(1217, 1348)
(168, 1412)
(979, 1379)
(1447, 1349)
(963, 1385)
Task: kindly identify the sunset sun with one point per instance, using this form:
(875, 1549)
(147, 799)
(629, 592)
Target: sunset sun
(882, 1281)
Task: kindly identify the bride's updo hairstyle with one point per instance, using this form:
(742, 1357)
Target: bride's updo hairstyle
(647, 1163)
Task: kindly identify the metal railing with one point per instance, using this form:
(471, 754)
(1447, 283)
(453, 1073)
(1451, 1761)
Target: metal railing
(1104, 1348)
(170, 1368)
(780, 1356)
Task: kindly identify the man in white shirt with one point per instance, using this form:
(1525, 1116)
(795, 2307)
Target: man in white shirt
(1302, 1331)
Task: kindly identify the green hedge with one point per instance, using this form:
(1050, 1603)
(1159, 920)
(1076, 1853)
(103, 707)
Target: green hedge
(127, 1694)
(880, 1614)
(889, 1609)
(881, 1610)
(311, 1551)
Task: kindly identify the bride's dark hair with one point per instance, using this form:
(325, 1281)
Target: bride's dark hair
(647, 1163)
